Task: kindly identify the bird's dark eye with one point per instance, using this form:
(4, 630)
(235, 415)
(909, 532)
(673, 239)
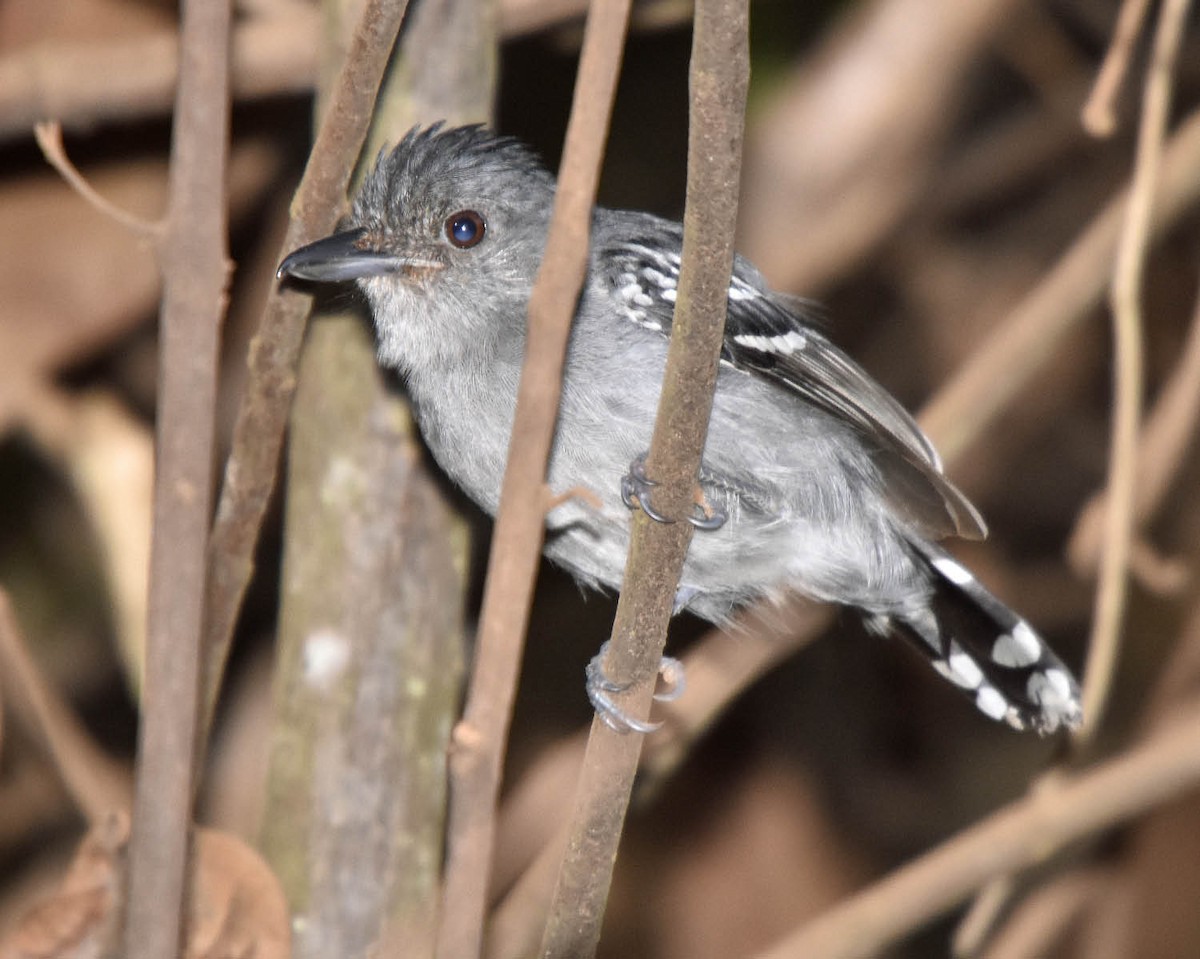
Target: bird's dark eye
(464, 229)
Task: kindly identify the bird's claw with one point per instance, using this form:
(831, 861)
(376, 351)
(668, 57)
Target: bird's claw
(600, 689)
(710, 517)
(636, 488)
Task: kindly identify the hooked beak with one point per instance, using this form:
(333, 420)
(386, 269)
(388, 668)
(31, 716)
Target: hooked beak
(343, 256)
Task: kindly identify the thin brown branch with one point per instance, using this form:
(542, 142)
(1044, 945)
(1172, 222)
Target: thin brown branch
(81, 84)
(480, 738)
(1099, 115)
(960, 412)
(982, 917)
(1039, 925)
(108, 453)
(373, 577)
(1165, 439)
(262, 416)
(1179, 677)
(1127, 342)
(195, 271)
(49, 139)
(96, 783)
(850, 168)
(1118, 521)
(718, 668)
(518, 920)
(1024, 343)
(719, 75)
(1165, 765)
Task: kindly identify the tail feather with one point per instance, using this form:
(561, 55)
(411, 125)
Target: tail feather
(990, 652)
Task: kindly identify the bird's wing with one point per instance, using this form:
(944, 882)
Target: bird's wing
(773, 336)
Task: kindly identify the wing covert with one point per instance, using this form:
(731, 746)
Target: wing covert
(774, 336)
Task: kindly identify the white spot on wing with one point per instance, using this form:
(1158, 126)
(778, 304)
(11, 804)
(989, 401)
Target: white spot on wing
(792, 341)
(953, 570)
(754, 342)
(658, 278)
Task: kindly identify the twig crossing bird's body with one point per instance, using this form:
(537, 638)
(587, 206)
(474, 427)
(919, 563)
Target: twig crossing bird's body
(825, 484)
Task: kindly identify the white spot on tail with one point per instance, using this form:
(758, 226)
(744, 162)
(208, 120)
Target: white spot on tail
(1019, 649)
(1054, 691)
(960, 668)
(1051, 690)
(966, 668)
(991, 702)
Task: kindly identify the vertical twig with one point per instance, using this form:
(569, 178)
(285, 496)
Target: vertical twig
(274, 353)
(1115, 528)
(1099, 113)
(1127, 338)
(720, 69)
(477, 757)
(1167, 435)
(370, 651)
(195, 272)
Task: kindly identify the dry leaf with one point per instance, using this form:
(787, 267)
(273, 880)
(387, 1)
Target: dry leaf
(238, 910)
(80, 920)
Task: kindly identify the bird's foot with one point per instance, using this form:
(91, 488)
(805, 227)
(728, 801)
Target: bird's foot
(636, 488)
(711, 517)
(600, 690)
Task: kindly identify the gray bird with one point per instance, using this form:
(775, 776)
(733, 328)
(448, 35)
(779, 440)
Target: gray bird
(814, 479)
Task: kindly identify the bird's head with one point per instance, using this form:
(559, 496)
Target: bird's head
(445, 240)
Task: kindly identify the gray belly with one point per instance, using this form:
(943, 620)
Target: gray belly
(781, 471)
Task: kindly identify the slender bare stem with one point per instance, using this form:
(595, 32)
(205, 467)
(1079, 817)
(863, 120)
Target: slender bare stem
(1127, 336)
(1166, 765)
(720, 69)
(195, 274)
(253, 462)
(1099, 113)
(480, 738)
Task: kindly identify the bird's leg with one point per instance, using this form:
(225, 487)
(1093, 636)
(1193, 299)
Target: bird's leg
(683, 596)
(600, 689)
(636, 487)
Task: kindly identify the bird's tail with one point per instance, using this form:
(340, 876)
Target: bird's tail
(990, 652)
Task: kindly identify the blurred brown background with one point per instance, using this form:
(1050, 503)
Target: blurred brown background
(916, 166)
